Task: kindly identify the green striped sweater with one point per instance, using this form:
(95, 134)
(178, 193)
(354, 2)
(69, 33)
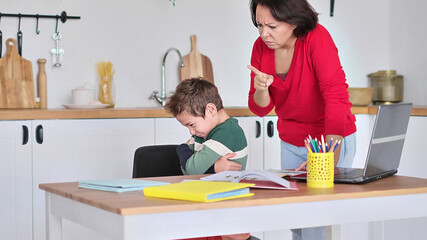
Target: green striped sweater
(227, 137)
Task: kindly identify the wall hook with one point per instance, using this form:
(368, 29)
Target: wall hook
(37, 25)
(56, 28)
(19, 23)
(19, 36)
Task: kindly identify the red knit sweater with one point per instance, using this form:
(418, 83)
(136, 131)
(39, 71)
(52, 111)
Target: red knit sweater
(313, 98)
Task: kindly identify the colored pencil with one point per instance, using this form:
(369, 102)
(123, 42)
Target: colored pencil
(323, 144)
(338, 143)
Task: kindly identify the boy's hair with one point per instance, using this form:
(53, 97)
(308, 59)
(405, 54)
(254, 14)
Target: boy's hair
(192, 95)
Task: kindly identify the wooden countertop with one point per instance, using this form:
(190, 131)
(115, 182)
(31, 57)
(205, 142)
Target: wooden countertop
(130, 203)
(62, 113)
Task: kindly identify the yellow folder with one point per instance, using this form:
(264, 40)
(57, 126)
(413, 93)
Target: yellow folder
(200, 191)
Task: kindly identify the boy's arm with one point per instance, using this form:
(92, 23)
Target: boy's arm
(184, 153)
(223, 164)
(212, 157)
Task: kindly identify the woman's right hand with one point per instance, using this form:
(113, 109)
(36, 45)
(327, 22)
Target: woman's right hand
(262, 80)
(261, 83)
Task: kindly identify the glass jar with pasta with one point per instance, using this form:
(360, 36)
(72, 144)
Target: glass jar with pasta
(105, 83)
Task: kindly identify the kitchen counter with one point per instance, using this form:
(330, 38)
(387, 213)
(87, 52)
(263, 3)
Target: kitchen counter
(62, 113)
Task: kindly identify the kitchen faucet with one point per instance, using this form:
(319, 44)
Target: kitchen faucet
(162, 99)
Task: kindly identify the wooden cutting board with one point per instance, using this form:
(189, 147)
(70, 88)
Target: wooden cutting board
(16, 79)
(196, 64)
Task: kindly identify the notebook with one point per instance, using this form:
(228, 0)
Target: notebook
(200, 191)
(385, 148)
(261, 179)
(118, 185)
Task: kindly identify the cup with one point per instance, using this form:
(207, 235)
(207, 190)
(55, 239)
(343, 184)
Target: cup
(320, 170)
(83, 96)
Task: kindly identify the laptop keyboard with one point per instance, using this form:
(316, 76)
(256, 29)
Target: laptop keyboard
(348, 173)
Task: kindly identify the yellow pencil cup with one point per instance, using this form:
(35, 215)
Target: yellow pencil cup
(320, 170)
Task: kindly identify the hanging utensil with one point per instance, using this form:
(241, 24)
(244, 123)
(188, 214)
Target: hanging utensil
(57, 52)
(19, 36)
(1, 43)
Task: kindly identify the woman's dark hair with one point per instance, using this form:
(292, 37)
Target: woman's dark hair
(295, 12)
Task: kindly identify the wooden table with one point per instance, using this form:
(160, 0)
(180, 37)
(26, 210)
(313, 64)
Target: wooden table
(132, 216)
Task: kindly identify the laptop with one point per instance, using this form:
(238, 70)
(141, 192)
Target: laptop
(385, 148)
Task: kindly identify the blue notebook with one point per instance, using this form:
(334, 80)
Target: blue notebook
(118, 185)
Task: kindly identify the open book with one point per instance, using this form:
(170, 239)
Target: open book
(261, 179)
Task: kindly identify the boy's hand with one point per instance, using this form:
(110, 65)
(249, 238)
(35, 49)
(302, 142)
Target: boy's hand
(223, 164)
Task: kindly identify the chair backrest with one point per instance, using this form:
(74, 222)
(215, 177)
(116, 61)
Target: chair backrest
(156, 161)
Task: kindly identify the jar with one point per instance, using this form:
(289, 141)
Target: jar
(388, 87)
(106, 90)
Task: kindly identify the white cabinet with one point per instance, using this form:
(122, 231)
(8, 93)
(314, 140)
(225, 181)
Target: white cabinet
(252, 126)
(271, 143)
(263, 141)
(15, 180)
(60, 151)
(72, 150)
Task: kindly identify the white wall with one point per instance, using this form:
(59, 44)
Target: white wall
(134, 35)
(408, 53)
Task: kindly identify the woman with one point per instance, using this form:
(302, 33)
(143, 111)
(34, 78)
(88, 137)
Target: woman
(296, 70)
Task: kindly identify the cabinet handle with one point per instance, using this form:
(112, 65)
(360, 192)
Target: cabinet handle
(39, 134)
(24, 134)
(270, 128)
(258, 129)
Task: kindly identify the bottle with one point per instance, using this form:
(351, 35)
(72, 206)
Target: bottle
(106, 90)
(42, 83)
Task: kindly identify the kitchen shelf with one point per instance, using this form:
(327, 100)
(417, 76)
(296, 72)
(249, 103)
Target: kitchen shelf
(62, 113)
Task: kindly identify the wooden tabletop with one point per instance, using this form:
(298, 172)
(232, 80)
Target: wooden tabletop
(130, 203)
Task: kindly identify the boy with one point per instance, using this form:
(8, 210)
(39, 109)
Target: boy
(218, 143)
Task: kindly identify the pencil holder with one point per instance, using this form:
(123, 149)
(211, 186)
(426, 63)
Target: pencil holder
(320, 170)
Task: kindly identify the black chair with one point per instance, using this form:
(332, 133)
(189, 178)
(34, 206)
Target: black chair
(156, 161)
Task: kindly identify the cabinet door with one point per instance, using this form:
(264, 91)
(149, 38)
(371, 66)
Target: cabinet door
(15, 180)
(72, 150)
(252, 126)
(170, 131)
(271, 143)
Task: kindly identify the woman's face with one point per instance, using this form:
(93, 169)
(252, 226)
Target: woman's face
(275, 34)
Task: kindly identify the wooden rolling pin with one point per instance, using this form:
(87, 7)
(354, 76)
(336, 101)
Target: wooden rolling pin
(42, 83)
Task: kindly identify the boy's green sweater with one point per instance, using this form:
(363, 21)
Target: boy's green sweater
(227, 137)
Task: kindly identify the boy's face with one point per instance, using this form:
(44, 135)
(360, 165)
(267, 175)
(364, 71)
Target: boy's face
(197, 125)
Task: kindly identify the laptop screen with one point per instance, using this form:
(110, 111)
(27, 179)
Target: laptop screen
(387, 138)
